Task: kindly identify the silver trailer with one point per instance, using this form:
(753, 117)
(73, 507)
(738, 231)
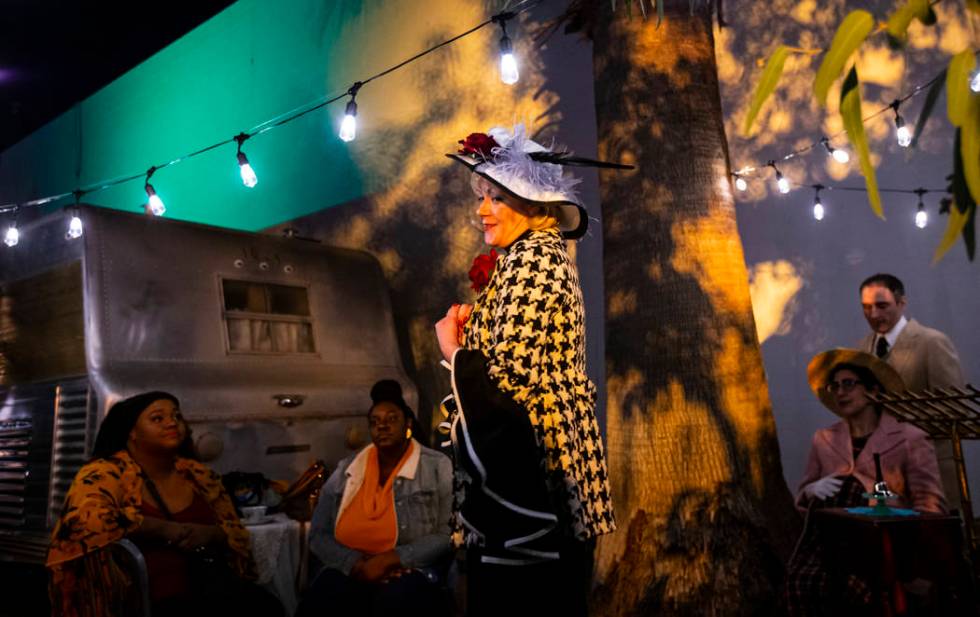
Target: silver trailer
(271, 344)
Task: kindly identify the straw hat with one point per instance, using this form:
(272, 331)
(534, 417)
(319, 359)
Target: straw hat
(818, 372)
(527, 170)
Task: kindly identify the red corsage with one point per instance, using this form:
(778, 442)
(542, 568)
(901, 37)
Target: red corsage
(478, 144)
(481, 270)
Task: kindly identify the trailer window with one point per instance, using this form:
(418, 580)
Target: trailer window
(267, 318)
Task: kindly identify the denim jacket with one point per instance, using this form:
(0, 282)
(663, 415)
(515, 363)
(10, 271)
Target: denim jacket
(423, 493)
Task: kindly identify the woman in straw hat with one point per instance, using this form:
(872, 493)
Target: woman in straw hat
(532, 489)
(841, 468)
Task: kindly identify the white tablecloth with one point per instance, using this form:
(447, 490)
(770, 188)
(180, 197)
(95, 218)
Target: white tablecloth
(277, 549)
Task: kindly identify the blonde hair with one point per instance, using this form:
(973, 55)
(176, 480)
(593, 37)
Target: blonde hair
(539, 217)
(544, 217)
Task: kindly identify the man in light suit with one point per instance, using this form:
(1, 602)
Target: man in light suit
(924, 357)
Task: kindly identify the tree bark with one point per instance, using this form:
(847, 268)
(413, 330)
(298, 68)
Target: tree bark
(705, 518)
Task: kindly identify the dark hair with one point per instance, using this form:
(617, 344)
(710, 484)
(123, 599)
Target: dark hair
(390, 391)
(864, 375)
(119, 422)
(887, 281)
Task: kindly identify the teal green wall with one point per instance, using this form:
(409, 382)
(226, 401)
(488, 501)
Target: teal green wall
(249, 63)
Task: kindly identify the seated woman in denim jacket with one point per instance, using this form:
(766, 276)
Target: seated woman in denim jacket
(381, 527)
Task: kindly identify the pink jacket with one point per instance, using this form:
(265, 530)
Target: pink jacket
(908, 463)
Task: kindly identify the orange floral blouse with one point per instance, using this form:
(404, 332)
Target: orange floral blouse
(102, 506)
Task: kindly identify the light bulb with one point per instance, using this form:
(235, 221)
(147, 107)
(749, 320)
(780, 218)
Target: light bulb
(249, 178)
(818, 211)
(508, 69)
(155, 203)
(740, 183)
(348, 128)
(841, 156)
(975, 81)
(12, 237)
(921, 219)
(74, 227)
(508, 64)
(782, 183)
(904, 136)
(902, 132)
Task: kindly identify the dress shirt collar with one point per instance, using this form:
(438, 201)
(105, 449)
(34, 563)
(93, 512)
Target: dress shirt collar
(892, 335)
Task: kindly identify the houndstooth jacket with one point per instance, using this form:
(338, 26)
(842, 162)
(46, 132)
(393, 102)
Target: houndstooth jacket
(526, 335)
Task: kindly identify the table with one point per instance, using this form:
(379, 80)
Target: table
(888, 551)
(279, 549)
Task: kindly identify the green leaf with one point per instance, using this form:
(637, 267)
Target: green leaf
(954, 227)
(853, 30)
(927, 107)
(961, 197)
(970, 147)
(969, 234)
(850, 111)
(958, 94)
(767, 84)
(898, 23)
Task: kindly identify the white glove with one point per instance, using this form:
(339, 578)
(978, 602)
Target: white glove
(823, 488)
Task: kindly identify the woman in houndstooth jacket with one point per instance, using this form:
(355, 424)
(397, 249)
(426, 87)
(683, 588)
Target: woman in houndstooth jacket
(532, 490)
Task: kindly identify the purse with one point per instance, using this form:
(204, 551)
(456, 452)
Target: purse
(244, 488)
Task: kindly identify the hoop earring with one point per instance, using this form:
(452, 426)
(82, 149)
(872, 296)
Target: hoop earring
(408, 433)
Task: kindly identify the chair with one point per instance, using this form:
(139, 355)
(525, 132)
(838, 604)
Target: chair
(135, 601)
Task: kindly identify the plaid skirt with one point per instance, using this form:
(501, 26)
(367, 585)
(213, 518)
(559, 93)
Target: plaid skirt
(810, 588)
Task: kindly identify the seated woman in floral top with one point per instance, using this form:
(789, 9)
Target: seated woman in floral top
(141, 485)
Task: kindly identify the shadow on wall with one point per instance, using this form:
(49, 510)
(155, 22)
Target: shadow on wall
(415, 218)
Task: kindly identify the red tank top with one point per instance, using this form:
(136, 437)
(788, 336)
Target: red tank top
(167, 565)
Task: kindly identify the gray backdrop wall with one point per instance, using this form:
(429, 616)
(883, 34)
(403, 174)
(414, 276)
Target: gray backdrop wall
(804, 273)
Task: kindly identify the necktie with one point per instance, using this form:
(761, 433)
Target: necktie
(881, 348)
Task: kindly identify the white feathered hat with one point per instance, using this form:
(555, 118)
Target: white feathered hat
(529, 171)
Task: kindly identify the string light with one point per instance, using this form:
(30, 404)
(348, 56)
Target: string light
(348, 128)
(921, 216)
(156, 206)
(781, 182)
(75, 223)
(818, 209)
(841, 156)
(155, 203)
(74, 226)
(508, 64)
(902, 132)
(748, 170)
(12, 237)
(249, 178)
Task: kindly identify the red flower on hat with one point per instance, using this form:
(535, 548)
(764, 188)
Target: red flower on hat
(478, 144)
(481, 270)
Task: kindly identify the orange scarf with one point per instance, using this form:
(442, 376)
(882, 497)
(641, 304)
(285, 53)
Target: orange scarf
(369, 524)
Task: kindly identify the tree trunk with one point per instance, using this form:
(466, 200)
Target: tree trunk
(703, 512)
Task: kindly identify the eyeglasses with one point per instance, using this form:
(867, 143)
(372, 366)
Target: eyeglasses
(844, 385)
